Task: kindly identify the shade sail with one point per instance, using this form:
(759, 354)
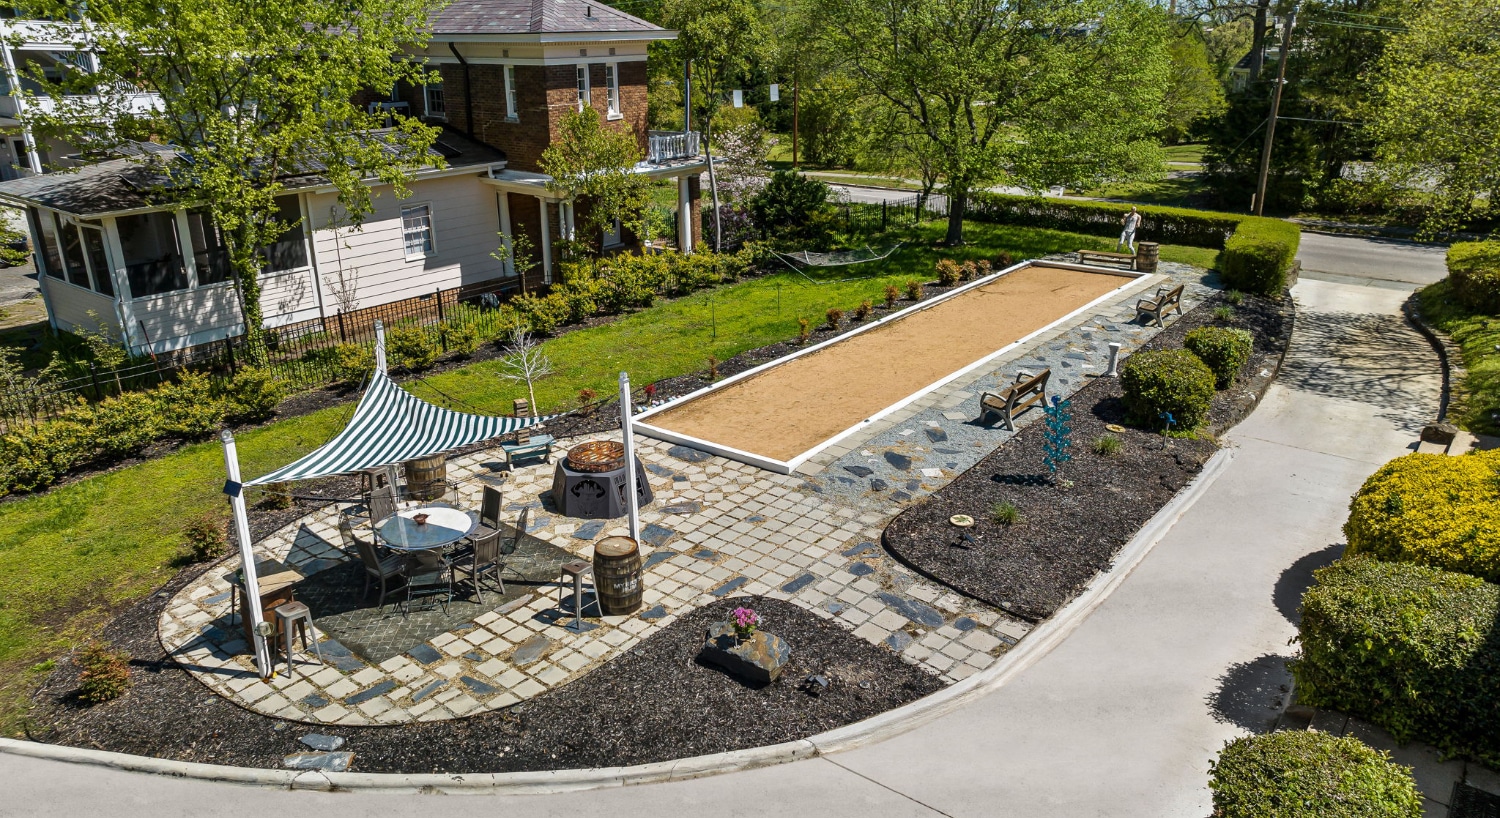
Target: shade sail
(391, 425)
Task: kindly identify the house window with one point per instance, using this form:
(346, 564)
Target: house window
(435, 106)
(72, 252)
(153, 258)
(583, 86)
(289, 251)
(512, 111)
(416, 230)
(93, 249)
(612, 81)
(51, 252)
(614, 235)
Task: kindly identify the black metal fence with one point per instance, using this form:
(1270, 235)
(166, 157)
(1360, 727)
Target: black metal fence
(891, 214)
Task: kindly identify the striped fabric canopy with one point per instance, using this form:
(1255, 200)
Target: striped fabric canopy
(389, 426)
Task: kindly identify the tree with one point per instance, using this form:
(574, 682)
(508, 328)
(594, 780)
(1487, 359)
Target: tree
(1194, 91)
(255, 93)
(1436, 109)
(1047, 92)
(1231, 13)
(525, 361)
(597, 163)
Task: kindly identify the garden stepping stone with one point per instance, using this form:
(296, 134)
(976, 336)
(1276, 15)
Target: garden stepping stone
(658, 612)
(898, 461)
(477, 687)
(530, 650)
(899, 641)
(836, 607)
(861, 569)
(380, 689)
(913, 610)
(313, 701)
(689, 507)
(689, 454)
(325, 762)
(936, 435)
(424, 654)
(656, 557)
(705, 554)
(728, 587)
(660, 471)
(876, 484)
(861, 548)
(318, 741)
(589, 530)
(798, 584)
(657, 535)
(428, 690)
(859, 471)
(964, 623)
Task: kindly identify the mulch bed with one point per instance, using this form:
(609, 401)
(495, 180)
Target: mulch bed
(1072, 523)
(653, 703)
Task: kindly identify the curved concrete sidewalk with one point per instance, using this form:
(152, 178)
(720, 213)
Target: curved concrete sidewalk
(1120, 719)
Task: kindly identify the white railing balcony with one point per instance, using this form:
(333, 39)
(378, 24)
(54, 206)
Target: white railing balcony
(134, 101)
(669, 146)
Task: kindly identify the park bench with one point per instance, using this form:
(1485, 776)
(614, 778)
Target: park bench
(1014, 399)
(1104, 257)
(528, 448)
(1162, 303)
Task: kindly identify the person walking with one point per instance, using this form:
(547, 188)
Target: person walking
(1127, 236)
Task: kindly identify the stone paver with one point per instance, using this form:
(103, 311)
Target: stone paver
(717, 529)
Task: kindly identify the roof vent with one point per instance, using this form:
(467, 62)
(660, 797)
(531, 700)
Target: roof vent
(588, 11)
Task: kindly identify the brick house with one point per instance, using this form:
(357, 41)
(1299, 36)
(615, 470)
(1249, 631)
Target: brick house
(510, 71)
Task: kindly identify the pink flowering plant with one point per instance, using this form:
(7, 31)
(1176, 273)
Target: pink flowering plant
(745, 621)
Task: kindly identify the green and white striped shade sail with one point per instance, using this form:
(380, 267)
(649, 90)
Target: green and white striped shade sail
(389, 426)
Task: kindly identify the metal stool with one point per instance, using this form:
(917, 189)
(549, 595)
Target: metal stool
(290, 615)
(577, 570)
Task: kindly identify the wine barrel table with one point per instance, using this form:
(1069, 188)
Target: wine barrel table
(1147, 254)
(426, 477)
(617, 575)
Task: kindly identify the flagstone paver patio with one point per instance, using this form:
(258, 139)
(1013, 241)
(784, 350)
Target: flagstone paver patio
(717, 528)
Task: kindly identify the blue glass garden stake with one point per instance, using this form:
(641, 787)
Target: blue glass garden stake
(1058, 437)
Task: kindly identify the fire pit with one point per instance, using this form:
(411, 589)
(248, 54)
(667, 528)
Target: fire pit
(590, 482)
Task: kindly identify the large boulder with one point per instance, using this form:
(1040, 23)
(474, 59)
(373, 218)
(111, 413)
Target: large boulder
(757, 659)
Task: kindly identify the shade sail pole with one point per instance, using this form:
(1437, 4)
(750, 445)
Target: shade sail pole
(632, 502)
(379, 346)
(236, 491)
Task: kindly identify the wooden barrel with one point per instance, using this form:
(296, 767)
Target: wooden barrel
(427, 477)
(617, 575)
(1146, 255)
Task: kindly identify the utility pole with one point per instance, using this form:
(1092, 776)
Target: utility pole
(796, 109)
(1265, 153)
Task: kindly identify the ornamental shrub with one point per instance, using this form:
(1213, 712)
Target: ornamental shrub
(411, 346)
(1167, 380)
(1257, 256)
(252, 395)
(122, 425)
(35, 457)
(104, 674)
(189, 408)
(207, 537)
(1168, 225)
(1474, 272)
(1224, 350)
(540, 314)
(351, 363)
(1308, 774)
(949, 272)
(462, 338)
(788, 203)
(1431, 509)
(1414, 649)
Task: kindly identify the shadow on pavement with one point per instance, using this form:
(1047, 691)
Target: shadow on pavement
(1298, 577)
(1365, 358)
(1251, 694)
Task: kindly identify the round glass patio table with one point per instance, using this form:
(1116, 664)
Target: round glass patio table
(444, 526)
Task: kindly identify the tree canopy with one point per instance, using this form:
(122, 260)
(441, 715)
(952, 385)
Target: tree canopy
(257, 92)
(590, 160)
(1042, 93)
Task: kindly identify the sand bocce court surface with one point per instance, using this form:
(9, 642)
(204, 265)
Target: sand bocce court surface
(793, 407)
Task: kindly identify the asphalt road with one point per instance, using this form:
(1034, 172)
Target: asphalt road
(1367, 260)
(17, 283)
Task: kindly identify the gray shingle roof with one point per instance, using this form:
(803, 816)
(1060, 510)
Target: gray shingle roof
(534, 17)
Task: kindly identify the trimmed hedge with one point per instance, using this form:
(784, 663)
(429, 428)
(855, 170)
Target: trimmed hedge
(1431, 509)
(1257, 256)
(1474, 270)
(1308, 774)
(1257, 251)
(1223, 349)
(1167, 380)
(1413, 649)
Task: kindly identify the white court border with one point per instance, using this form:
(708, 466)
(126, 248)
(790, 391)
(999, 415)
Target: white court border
(790, 466)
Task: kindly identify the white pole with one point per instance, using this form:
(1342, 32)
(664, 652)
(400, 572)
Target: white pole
(379, 346)
(1114, 360)
(631, 502)
(235, 489)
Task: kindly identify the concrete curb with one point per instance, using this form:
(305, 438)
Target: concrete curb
(1037, 644)
(1449, 353)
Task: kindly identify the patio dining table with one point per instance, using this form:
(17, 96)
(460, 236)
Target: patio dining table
(445, 525)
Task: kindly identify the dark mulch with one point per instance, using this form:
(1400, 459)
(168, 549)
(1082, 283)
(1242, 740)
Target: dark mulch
(1074, 522)
(653, 703)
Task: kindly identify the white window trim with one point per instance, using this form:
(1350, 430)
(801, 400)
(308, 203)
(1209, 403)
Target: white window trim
(587, 96)
(612, 90)
(427, 102)
(431, 231)
(512, 114)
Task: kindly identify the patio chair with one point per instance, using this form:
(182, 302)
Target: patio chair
(382, 504)
(379, 568)
(428, 575)
(482, 558)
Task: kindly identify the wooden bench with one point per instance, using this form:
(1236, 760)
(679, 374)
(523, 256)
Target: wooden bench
(532, 448)
(1157, 307)
(1028, 389)
(1104, 257)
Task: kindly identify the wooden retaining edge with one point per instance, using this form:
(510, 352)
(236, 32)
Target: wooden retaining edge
(1037, 644)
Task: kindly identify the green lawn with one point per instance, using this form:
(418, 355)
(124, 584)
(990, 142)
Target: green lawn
(71, 556)
(1476, 398)
(1185, 153)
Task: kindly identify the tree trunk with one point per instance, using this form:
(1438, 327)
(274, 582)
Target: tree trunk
(958, 204)
(1258, 38)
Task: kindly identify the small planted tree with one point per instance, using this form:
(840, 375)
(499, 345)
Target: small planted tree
(525, 362)
(592, 161)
